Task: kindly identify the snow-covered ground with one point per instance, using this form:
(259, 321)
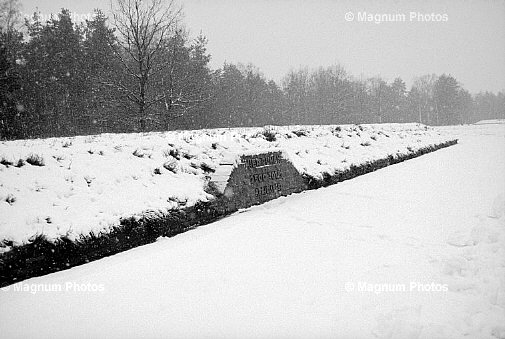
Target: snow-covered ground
(87, 184)
(414, 250)
(490, 121)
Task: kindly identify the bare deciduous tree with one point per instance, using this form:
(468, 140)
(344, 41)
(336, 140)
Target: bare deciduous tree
(377, 87)
(144, 30)
(425, 85)
(10, 15)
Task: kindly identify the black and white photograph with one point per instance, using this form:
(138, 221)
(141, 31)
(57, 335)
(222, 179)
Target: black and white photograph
(252, 169)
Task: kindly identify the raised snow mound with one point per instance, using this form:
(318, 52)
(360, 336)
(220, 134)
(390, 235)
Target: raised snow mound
(75, 186)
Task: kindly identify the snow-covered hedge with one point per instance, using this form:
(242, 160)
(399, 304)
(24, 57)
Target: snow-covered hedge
(70, 187)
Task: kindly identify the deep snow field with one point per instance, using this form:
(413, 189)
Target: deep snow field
(88, 183)
(414, 250)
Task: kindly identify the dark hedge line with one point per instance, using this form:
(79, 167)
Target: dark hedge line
(41, 256)
(354, 171)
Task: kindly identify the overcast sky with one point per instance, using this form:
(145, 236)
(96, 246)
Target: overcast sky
(278, 35)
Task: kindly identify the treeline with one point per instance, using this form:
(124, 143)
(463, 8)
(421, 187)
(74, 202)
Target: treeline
(140, 71)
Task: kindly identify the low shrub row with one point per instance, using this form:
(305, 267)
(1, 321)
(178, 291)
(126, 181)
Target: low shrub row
(357, 170)
(41, 256)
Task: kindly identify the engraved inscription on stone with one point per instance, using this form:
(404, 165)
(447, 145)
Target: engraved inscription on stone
(262, 177)
(266, 174)
(266, 190)
(258, 178)
(262, 160)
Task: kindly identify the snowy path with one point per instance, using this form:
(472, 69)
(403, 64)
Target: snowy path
(415, 250)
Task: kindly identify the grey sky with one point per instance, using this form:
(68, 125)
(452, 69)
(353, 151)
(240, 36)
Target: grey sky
(277, 35)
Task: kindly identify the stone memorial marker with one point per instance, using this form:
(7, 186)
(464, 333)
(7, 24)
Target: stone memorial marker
(250, 179)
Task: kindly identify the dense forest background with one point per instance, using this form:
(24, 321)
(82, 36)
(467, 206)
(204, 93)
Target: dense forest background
(139, 70)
